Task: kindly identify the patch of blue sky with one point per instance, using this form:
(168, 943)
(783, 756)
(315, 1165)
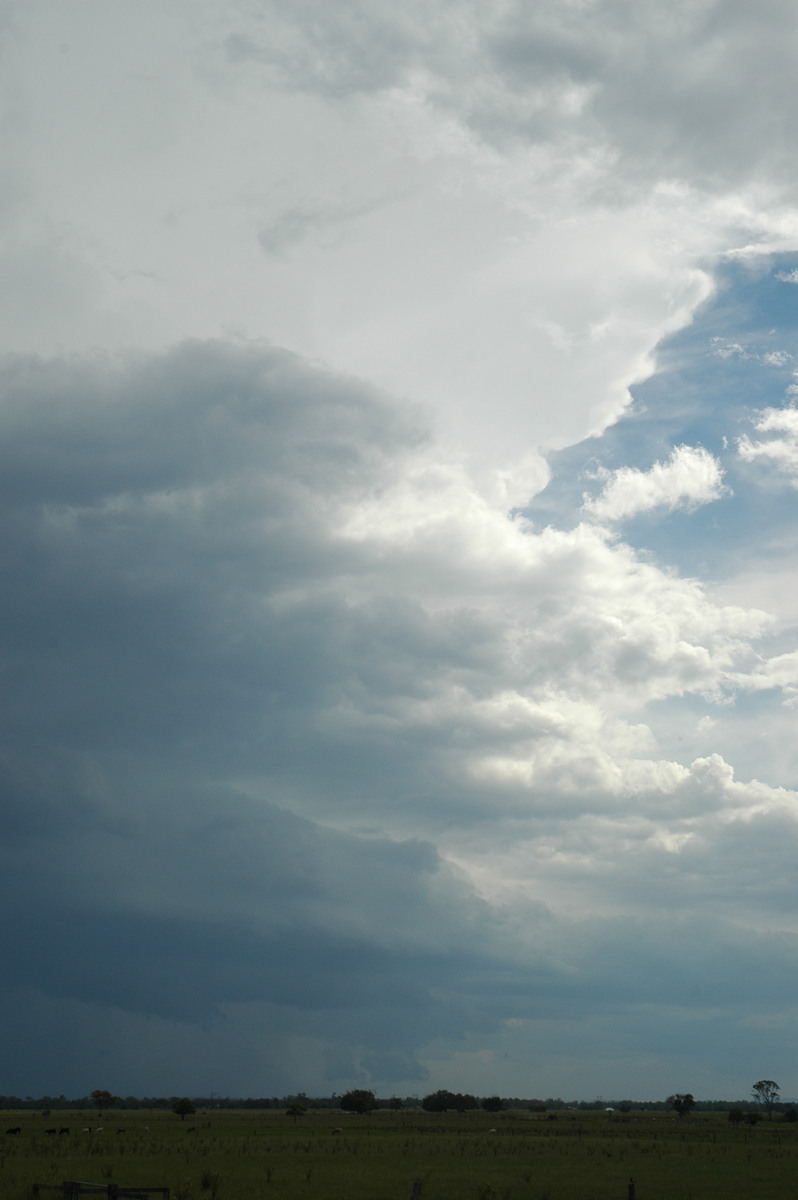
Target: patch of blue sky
(738, 357)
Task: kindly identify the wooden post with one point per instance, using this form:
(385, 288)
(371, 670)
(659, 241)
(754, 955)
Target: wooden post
(416, 1192)
(630, 1191)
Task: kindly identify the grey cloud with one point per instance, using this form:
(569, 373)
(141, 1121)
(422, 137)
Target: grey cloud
(200, 902)
(150, 511)
(701, 93)
(728, 853)
(294, 225)
(358, 48)
(77, 431)
(287, 229)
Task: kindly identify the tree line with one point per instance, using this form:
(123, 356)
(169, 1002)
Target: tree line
(765, 1094)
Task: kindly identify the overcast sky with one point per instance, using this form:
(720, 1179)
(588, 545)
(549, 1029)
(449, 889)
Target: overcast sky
(398, 469)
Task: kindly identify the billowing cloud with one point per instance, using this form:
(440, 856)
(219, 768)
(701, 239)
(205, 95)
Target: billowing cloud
(283, 692)
(691, 477)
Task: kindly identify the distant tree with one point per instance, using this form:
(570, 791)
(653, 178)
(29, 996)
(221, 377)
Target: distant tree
(766, 1092)
(493, 1104)
(396, 1103)
(359, 1100)
(442, 1101)
(681, 1102)
(736, 1116)
(625, 1106)
(102, 1099)
(296, 1111)
(791, 1116)
(183, 1108)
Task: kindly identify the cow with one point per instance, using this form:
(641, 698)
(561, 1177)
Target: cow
(15, 1129)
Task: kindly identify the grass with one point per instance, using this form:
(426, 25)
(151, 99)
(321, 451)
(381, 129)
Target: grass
(266, 1156)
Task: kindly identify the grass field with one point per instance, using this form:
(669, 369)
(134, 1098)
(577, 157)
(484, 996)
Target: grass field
(267, 1156)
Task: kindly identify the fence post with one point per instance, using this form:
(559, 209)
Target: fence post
(416, 1192)
(630, 1191)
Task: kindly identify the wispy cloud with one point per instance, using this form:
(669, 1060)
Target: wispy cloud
(780, 451)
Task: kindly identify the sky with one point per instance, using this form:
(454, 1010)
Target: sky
(398, 495)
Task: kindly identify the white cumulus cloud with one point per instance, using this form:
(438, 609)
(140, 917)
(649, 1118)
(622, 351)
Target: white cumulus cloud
(691, 477)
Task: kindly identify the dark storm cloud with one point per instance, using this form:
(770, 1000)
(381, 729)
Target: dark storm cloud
(219, 901)
(156, 513)
(252, 904)
(150, 511)
(76, 430)
(318, 768)
(176, 597)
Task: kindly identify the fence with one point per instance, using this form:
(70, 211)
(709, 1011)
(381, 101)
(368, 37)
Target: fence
(73, 1189)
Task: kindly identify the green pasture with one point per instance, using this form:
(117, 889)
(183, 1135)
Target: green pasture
(268, 1156)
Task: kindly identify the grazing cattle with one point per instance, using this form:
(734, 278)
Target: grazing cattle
(64, 1130)
(338, 1130)
(15, 1129)
(51, 1131)
(491, 1131)
(121, 1131)
(87, 1130)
